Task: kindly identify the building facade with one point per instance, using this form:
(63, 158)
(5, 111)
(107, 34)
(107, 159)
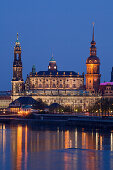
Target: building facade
(53, 86)
(54, 79)
(17, 80)
(93, 69)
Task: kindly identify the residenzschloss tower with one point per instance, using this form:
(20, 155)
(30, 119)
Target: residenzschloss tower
(93, 68)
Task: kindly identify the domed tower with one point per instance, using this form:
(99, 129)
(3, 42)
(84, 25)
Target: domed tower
(93, 68)
(17, 80)
(52, 65)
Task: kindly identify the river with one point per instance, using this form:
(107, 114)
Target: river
(24, 147)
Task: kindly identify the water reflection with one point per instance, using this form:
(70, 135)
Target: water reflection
(19, 144)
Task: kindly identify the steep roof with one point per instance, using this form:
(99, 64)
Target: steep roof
(23, 101)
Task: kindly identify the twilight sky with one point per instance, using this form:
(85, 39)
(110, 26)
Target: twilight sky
(61, 26)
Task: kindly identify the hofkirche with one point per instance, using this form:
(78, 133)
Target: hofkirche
(54, 86)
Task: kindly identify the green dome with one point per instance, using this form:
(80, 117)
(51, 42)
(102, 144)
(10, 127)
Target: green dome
(52, 59)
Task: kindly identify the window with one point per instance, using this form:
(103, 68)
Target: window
(54, 85)
(40, 86)
(17, 56)
(80, 101)
(46, 85)
(67, 86)
(60, 86)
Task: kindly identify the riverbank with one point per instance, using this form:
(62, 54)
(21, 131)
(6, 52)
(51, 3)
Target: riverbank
(59, 120)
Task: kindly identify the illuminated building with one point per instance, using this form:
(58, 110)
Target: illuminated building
(106, 89)
(53, 86)
(93, 69)
(5, 99)
(17, 81)
(22, 105)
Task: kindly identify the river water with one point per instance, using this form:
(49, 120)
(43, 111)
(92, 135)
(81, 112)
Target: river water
(24, 147)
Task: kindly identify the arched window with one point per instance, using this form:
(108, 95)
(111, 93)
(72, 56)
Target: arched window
(40, 86)
(46, 85)
(74, 86)
(60, 86)
(17, 56)
(54, 85)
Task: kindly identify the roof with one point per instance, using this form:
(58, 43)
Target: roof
(52, 59)
(60, 73)
(23, 101)
(106, 83)
(56, 105)
(93, 60)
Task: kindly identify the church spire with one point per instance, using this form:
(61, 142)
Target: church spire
(17, 41)
(93, 43)
(52, 55)
(17, 36)
(93, 32)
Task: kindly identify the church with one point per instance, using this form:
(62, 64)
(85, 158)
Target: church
(54, 86)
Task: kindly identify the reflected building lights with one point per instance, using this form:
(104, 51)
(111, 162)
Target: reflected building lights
(83, 140)
(58, 138)
(27, 139)
(67, 139)
(4, 138)
(100, 142)
(38, 142)
(76, 138)
(26, 147)
(4, 142)
(96, 141)
(19, 147)
(111, 141)
(62, 139)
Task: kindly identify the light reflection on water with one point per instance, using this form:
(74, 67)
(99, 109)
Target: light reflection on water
(32, 147)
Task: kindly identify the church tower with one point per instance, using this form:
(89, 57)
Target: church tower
(17, 80)
(93, 68)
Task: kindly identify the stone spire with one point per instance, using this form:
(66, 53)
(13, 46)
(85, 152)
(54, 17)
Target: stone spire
(93, 43)
(93, 32)
(17, 41)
